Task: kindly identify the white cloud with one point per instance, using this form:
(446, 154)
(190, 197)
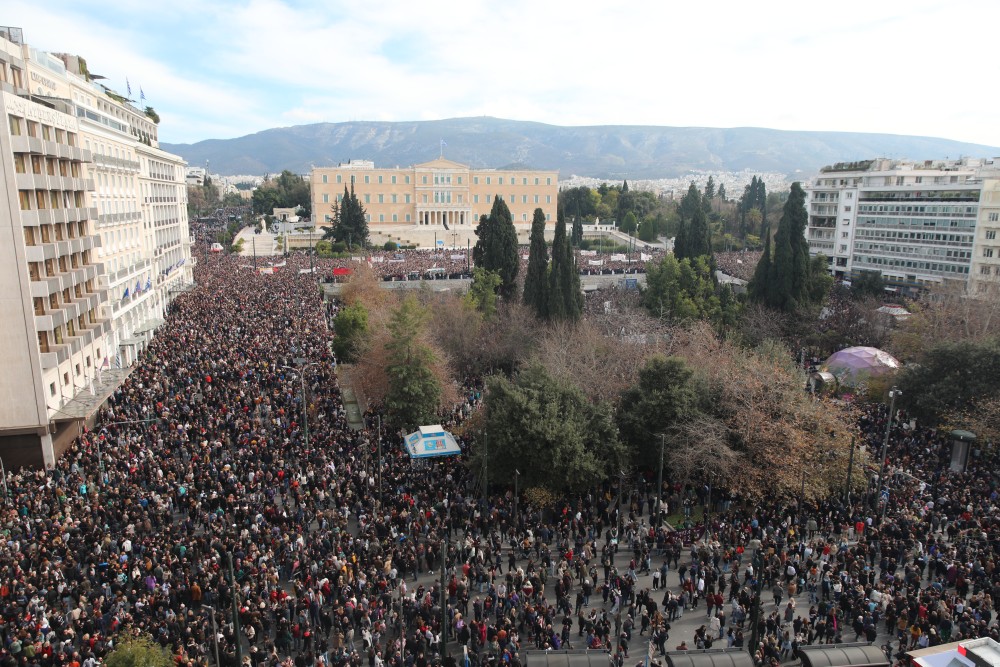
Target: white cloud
(243, 66)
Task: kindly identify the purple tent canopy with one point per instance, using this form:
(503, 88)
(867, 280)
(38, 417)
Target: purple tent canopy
(856, 364)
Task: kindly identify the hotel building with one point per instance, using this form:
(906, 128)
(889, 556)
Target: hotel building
(97, 245)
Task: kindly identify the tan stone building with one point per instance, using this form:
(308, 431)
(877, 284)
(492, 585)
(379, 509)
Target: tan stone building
(440, 194)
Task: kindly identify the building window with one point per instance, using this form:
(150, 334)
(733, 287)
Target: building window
(381, 198)
(536, 180)
(407, 217)
(994, 216)
(987, 252)
(394, 199)
(475, 180)
(459, 179)
(367, 179)
(548, 180)
(381, 217)
(524, 181)
(500, 180)
(15, 126)
(991, 235)
(536, 199)
(24, 196)
(339, 178)
(324, 178)
(487, 180)
(487, 199)
(548, 199)
(475, 199)
(425, 179)
(406, 179)
(394, 218)
(368, 198)
(406, 199)
(393, 180)
(326, 199)
(380, 179)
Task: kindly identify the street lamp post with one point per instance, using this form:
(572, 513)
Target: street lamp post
(6, 494)
(517, 521)
(893, 393)
(301, 370)
(850, 469)
(659, 483)
(215, 633)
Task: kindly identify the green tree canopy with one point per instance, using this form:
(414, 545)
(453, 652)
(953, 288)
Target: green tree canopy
(629, 224)
(139, 651)
(350, 330)
(496, 249)
(681, 290)
(482, 294)
(785, 279)
(951, 378)
(565, 300)
(665, 395)
(287, 190)
(868, 284)
(414, 391)
(350, 221)
(548, 431)
(536, 278)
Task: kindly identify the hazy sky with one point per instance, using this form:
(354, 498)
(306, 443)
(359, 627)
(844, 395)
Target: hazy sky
(220, 68)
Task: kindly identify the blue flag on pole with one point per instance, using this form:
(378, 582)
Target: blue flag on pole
(128, 87)
(125, 295)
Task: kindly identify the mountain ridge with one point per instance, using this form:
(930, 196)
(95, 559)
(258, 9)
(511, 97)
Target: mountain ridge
(601, 151)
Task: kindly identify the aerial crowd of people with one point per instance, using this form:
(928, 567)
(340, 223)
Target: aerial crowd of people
(228, 473)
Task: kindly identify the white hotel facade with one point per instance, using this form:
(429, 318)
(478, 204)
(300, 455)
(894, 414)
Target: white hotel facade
(97, 245)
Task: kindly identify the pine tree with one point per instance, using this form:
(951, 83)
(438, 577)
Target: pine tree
(680, 241)
(496, 249)
(536, 279)
(556, 309)
(697, 240)
(710, 189)
(783, 278)
(758, 288)
(577, 234)
(722, 191)
(565, 298)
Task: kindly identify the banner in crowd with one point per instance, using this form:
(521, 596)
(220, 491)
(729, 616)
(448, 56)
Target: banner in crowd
(379, 259)
(596, 262)
(396, 261)
(524, 256)
(355, 258)
(688, 535)
(588, 253)
(644, 257)
(458, 256)
(618, 257)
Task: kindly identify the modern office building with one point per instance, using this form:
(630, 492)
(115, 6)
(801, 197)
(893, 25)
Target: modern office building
(917, 223)
(440, 194)
(97, 245)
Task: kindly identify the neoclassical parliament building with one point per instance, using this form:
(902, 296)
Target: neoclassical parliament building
(440, 194)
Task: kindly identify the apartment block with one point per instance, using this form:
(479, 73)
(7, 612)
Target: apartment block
(440, 194)
(917, 223)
